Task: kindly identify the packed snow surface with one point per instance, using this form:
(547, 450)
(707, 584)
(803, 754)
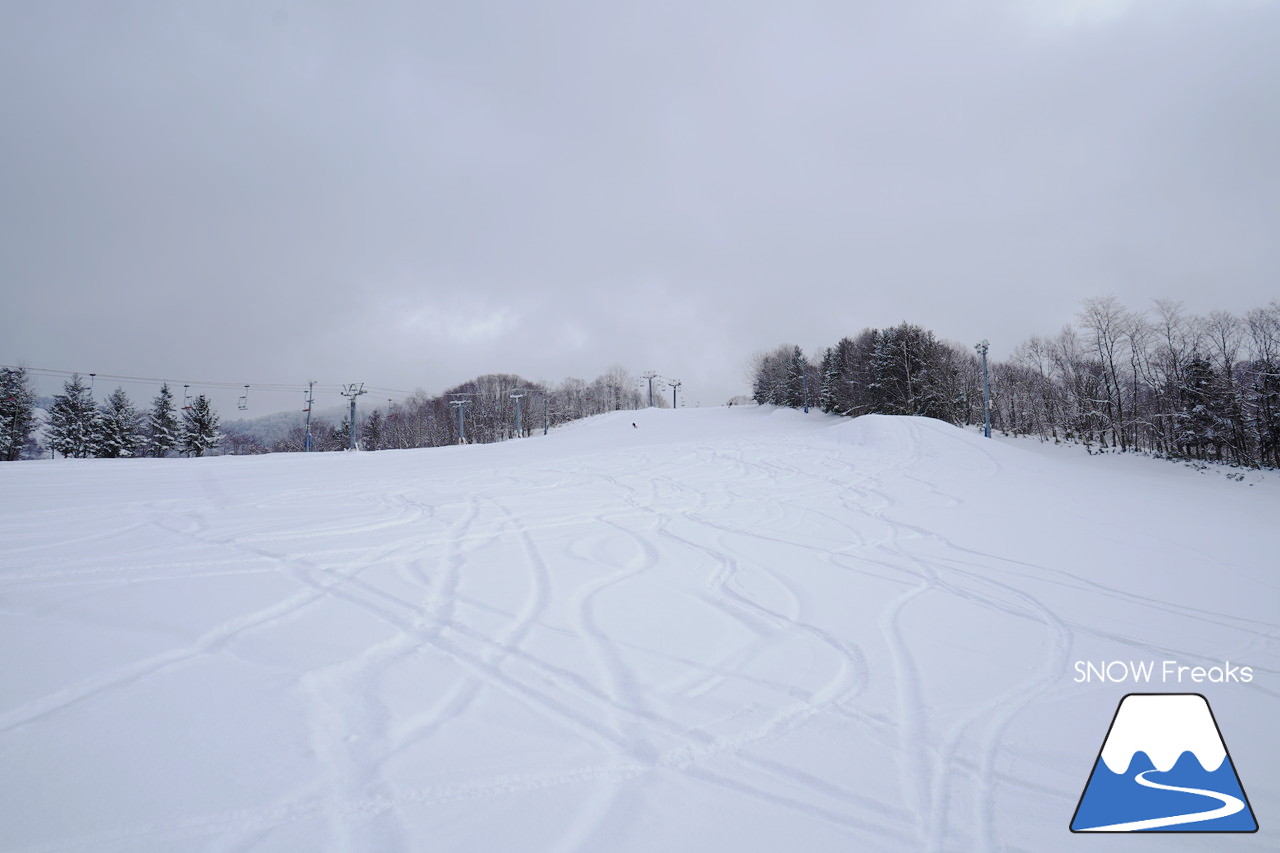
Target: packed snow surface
(720, 630)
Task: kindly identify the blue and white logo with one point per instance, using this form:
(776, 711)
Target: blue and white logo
(1164, 768)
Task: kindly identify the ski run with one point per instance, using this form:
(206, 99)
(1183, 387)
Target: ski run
(722, 630)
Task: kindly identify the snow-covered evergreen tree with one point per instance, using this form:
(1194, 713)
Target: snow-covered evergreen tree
(842, 391)
(371, 431)
(200, 427)
(17, 412)
(163, 431)
(119, 427)
(1202, 426)
(830, 377)
(903, 366)
(72, 420)
(341, 438)
(797, 368)
(853, 365)
(1263, 379)
(1265, 408)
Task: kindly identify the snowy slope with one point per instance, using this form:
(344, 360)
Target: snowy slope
(724, 630)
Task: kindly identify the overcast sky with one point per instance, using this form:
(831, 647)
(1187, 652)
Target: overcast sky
(411, 194)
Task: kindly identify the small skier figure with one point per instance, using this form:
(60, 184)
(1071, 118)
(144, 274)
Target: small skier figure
(633, 425)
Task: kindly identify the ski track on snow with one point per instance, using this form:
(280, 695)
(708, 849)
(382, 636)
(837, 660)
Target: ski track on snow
(661, 524)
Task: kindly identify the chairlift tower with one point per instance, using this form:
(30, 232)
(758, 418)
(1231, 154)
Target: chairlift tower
(519, 425)
(352, 391)
(458, 406)
(650, 375)
(982, 346)
(306, 441)
(675, 386)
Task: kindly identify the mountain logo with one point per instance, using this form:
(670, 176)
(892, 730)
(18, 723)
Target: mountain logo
(1163, 768)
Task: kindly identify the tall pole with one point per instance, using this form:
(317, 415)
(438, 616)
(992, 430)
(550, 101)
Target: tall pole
(307, 442)
(675, 384)
(805, 377)
(981, 347)
(650, 376)
(353, 391)
(462, 429)
(519, 424)
(546, 413)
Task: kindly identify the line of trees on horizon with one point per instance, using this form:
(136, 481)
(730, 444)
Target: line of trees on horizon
(74, 426)
(426, 420)
(78, 428)
(1162, 381)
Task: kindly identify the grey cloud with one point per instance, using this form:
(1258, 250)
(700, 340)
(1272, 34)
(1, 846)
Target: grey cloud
(420, 192)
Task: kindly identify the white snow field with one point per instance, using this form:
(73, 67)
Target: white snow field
(723, 630)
